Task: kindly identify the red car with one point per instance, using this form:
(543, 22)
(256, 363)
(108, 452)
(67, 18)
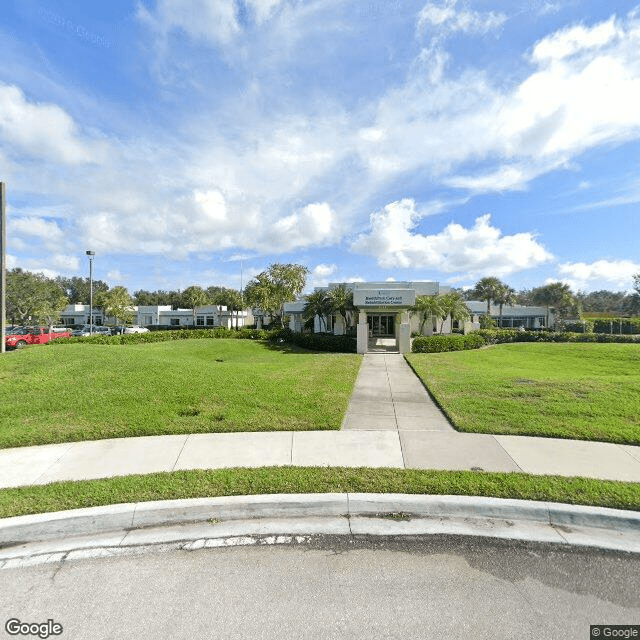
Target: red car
(22, 336)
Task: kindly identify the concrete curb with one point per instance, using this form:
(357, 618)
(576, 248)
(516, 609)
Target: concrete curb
(356, 514)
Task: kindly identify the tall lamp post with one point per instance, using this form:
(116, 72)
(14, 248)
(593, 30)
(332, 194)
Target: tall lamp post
(3, 268)
(91, 254)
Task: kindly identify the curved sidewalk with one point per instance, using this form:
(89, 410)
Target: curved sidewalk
(391, 422)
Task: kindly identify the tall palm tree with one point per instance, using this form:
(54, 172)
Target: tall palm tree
(505, 295)
(426, 307)
(341, 301)
(488, 289)
(452, 305)
(318, 304)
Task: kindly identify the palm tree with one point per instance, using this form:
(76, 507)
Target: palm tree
(341, 301)
(318, 304)
(452, 305)
(557, 296)
(505, 295)
(488, 289)
(426, 307)
(194, 296)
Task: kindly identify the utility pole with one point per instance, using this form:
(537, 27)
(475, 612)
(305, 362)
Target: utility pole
(3, 269)
(91, 254)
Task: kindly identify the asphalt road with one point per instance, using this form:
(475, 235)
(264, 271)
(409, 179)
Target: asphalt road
(445, 587)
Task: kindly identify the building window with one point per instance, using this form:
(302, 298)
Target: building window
(175, 322)
(210, 321)
(200, 321)
(148, 319)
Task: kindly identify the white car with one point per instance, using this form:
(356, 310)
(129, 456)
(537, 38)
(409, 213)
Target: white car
(136, 329)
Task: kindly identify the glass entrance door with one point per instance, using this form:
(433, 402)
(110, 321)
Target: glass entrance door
(381, 325)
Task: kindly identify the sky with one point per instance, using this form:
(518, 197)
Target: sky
(199, 141)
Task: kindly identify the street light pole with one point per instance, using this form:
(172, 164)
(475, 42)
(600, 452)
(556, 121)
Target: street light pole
(91, 254)
(3, 268)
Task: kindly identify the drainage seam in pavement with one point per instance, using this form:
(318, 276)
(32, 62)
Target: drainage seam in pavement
(184, 444)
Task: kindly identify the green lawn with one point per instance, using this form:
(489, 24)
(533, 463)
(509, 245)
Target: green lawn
(87, 392)
(580, 391)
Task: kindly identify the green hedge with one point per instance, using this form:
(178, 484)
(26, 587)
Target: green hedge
(439, 344)
(626, 326)
(316, 341)
(166, 336)
(311, 341)
(498, 336)
(485, 337)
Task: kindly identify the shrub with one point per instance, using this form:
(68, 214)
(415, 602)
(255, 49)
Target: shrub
(585, 326)
(483, 337)
(440, 344)
(316, 341)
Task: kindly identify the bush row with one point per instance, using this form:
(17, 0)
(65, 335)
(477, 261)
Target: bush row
(497, 336)
(485, 337)
(311, 341)
(439, 344)
(166, 336)
(316, 341)
(616, 325)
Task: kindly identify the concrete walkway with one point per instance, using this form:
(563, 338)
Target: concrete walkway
(391, 422)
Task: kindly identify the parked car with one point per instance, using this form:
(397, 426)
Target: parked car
(105, 331)
(136, 329)
(82, 331)
(22, 336)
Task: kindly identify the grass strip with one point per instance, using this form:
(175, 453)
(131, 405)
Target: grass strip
(60, 496)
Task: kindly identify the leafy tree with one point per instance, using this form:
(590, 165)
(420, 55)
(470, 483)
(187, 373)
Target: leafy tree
(318, 304)
(280, 283)
(117, 303)
(33, 296)
(603, 301)
(488, 289)
(452, 305)
(157, 298)
(558, 297)
(427, 307)
(77, 289)
(341, 301)
(192, 297)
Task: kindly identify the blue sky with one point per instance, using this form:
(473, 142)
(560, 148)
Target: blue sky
(368, 140)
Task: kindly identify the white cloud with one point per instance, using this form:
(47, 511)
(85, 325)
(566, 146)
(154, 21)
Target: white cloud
(215, 21)
(263, 9)
(581, 93)
(117, 276)
(313, 225)
(320, 276)
(599, 274)
(45, 230)
(573, 40)
(480, 250)
(445, 17)
(42, 131)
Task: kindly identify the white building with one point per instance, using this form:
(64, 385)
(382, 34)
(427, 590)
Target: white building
(206, 317)
(382, 321)
(514, 316)
(381, 317)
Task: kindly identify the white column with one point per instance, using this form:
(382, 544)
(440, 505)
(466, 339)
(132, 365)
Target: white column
(362, 333)
(404, 339)
(339, 326)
